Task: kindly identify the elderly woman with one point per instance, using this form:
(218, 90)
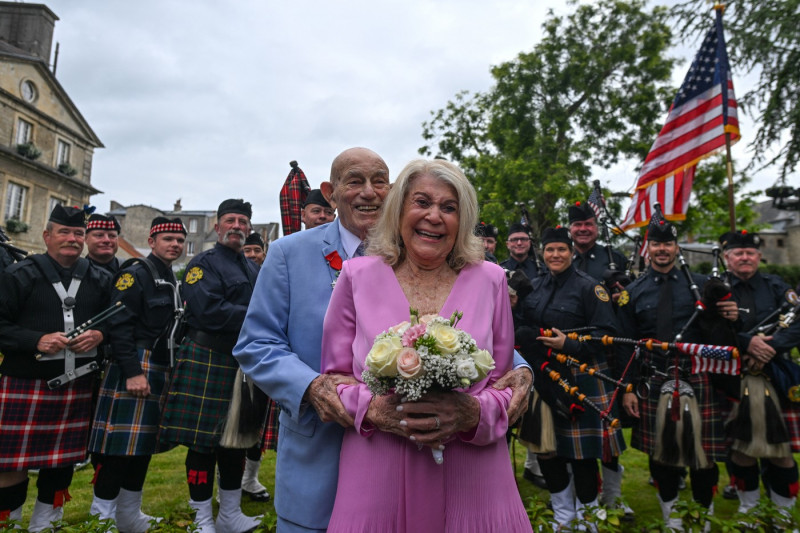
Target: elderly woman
(568, 298)
(423, 255)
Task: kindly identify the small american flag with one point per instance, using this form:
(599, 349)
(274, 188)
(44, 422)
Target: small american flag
(596, 202)
(715, 366)
(703, 111)
(709, 351)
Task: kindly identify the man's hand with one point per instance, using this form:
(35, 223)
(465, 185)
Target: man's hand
(52, 343)
(323, 397)
(631, 404)
(437, 416)
(759, 350)
(138, 386)
(86, 341)
(728, 309)
(519, 381)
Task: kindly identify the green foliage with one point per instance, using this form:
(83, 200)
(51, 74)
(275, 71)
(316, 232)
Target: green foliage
(593, 90)
(29, 151)
(763, 36)
(788, 273)
(181, 518)
(540, 515)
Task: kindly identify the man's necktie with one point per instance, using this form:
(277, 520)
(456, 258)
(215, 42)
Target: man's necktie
(360, 250)
(747, 305)
(664, 311)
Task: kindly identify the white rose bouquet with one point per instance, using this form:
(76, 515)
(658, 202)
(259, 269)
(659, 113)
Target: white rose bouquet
(412, 357)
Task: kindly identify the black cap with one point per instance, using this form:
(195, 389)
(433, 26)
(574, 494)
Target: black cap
(557, 234)
(740, 239)
(167, 225)
(73, 217)
(518, 228)
(102, 222)
(254, 238)
(485, 230)
(235, 205)
(660, 229)
(580, 212)
(315, 197)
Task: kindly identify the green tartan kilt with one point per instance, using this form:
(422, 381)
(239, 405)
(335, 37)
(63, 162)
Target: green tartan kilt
(583, 437)
(125, 424)
(198, 399)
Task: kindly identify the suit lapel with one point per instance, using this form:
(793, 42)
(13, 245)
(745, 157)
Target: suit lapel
(332, 242)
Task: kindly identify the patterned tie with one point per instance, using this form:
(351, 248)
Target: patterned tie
(360, 250)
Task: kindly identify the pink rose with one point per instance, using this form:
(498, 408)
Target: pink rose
(412, 334)
(409, 364)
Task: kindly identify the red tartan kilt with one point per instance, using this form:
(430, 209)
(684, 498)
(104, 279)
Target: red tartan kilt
(43, 428)
(271, 427)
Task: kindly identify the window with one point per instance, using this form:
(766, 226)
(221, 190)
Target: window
(53, 203)
(24, 131)
(780, 243)
(189, 248)
(63, 153)
(15, 201)
(192, 225)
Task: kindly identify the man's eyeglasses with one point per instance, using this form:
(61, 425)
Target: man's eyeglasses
(518, 239)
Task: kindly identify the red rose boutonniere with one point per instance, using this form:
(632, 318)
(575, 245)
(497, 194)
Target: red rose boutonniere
(335, 262)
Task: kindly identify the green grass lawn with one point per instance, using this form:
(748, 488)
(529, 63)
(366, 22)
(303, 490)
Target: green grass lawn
(165, 489)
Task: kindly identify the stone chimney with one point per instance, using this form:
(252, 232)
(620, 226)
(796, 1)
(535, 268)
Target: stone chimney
(177, 207)
(29, 27)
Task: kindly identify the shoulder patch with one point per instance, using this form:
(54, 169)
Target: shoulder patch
(194, 275)
(601, 293)
(124, 281)
(791, 297)
(624, 298)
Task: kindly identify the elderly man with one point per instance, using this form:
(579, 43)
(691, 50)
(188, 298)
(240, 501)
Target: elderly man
(316, 210)
(281, 342)
(759, 296)
(41, 298)
(217, 287)
(102, 241)
(125, 427)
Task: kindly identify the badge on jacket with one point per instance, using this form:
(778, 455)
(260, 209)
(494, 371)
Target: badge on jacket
(124, 282)
(194, 275)
(601, 293)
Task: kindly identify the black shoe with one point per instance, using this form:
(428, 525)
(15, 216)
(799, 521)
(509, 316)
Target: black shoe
(257, 496)
(729, 493)
(533, 478)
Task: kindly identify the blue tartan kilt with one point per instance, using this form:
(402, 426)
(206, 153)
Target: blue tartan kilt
(715, 444)
(583, 438)
(198, 399)
(125, 424)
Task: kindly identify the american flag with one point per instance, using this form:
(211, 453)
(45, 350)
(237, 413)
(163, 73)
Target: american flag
(709, 351)
(715, 366)
(596, 201)
(700, 116)
(292, 196)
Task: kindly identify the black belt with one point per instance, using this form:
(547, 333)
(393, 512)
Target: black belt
(219, 342)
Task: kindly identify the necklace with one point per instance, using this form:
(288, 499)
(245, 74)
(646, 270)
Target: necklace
(426, 290)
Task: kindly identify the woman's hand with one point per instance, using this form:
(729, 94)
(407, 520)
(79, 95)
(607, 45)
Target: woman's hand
(384, 415)
(556, 341)
(438, 416)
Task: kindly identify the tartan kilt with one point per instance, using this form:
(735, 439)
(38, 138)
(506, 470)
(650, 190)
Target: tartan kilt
(198, 399)
(271, 427)
(583, 438)
(125, 424)
(43, 428)
(712, 430)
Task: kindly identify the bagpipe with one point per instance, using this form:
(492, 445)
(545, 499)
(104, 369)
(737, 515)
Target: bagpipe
(18, 254)
(75, 373)
(614, 277)
(525, 219)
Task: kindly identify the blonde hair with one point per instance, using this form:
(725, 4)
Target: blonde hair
(385, 240)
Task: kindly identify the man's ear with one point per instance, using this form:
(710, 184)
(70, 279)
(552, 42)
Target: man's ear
(326, 188)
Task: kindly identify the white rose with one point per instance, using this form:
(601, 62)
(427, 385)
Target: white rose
(466, 371)
(400, 328)
(484, 363)
(447, 340)
(382, 358)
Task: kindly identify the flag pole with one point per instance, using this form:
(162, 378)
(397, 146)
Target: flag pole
(719, 7)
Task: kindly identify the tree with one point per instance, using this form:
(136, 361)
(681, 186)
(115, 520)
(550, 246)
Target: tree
(593, 90)
(707, 217)
(762, 36)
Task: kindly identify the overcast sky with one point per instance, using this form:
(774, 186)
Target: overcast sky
(205, 100)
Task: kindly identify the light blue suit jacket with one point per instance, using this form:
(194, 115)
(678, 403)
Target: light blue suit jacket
(279, 348)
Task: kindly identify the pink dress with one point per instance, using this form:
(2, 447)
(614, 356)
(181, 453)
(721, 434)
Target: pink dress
(386, 484)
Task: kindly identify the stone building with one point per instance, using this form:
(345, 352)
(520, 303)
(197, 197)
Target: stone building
(46, 145)
(135, 223)
(782, 236)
